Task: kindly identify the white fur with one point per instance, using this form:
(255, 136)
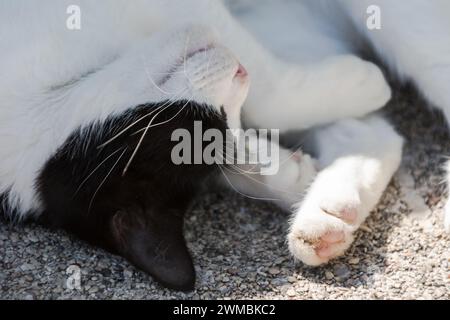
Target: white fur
(415, 43)
(299, 53)
(357, 170)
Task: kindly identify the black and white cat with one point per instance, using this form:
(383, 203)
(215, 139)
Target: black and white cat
(86, 115)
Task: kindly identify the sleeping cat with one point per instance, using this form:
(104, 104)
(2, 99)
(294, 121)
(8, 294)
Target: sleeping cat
(86, 114)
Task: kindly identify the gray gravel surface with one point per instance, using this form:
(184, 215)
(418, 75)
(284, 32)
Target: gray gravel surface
(402, 251)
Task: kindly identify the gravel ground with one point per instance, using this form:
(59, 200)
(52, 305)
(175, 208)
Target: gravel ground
(401, 252)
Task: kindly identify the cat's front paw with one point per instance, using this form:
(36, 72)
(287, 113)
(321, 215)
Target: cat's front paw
(323, 225)
(361, 86)
(319, 234)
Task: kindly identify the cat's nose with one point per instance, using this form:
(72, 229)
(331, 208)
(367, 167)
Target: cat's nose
(241, 72)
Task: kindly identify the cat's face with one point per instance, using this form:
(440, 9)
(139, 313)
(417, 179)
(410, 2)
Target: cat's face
(191, 64)
(114, 184)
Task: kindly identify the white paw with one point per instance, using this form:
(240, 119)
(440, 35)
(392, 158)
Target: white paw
(321, 232)
(362, 87)
(357, 171)
(333, 209)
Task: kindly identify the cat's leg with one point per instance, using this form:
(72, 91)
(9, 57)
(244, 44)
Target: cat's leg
(297, 96)
(303, 96)
(359, 158)
(414, 40)
(282, 95)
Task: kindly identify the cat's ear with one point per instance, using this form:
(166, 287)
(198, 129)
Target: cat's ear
(154, 242)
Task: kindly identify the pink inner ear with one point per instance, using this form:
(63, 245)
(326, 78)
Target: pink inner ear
(241, 72)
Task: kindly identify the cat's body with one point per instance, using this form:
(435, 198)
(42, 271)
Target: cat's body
(74, 105)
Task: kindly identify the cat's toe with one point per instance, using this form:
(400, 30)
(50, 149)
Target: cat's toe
(365, 88)
(377, 85)
(329, 244)
(316, 238)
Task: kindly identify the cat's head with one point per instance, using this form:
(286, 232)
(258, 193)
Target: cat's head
(114, 182)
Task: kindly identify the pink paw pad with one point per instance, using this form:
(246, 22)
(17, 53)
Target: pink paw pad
(349, 215)
(325, 247)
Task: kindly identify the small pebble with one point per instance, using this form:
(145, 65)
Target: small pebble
(127, 273)
(274, 271)
(341, 271)
(93, 290)
(29, 297)
(291, 293)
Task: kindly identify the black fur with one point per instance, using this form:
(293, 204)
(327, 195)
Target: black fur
(140, 214)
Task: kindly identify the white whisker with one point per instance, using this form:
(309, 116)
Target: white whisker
(243, 194)
(150, 78)
(104, 180)
(143, 137)
(163, 122)
(93, 171)
(137, 121)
